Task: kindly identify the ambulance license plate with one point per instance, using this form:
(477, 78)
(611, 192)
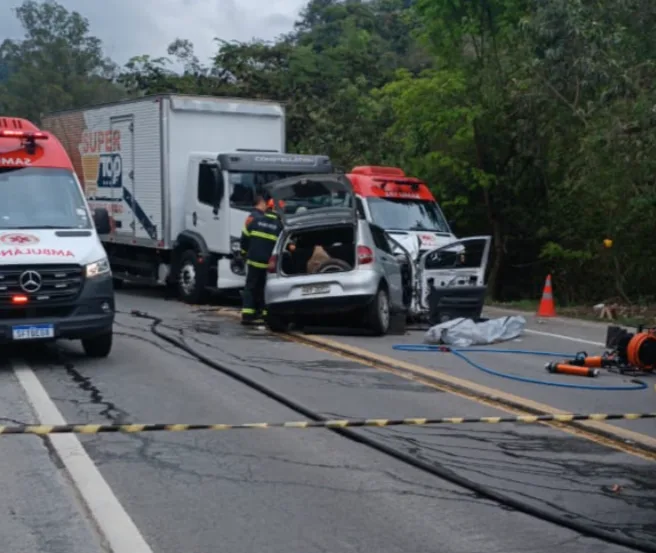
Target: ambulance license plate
(33, 332)
(315, 289)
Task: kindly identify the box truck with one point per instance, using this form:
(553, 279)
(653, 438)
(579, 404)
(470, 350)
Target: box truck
(178, 175)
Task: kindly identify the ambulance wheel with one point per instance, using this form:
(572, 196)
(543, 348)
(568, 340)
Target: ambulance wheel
(379, 313)
(98, 346)
(191, 279)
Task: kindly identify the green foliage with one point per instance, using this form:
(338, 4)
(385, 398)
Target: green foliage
(57, 65)
(531, 121)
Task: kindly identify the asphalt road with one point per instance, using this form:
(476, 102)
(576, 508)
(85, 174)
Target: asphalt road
(282, 490)
(564, 336)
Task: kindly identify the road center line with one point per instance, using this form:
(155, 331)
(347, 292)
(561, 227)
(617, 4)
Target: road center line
(562, 337)
(117, 527)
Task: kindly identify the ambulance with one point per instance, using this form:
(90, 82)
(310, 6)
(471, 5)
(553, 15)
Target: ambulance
(55, 279)
(444, 277)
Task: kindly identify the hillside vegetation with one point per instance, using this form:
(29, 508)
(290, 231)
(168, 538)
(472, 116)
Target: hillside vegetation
(532, 121)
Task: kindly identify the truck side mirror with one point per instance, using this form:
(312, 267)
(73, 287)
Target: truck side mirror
(101, 221)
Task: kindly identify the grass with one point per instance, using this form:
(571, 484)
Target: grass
(632, 315)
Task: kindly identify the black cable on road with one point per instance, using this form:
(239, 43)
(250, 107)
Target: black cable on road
(445, 474)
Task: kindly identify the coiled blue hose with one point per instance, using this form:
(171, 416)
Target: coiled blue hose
(460, 353)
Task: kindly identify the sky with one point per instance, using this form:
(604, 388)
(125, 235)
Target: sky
(135, 27)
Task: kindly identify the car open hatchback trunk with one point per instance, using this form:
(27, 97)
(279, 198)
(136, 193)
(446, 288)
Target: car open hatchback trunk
(321, 250)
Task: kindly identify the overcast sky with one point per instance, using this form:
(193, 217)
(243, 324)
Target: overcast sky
(133, 27)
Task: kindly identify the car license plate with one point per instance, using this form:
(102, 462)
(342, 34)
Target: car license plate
(315, 289)
(33, 332)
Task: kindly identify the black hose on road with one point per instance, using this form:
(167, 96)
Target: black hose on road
(445, 474)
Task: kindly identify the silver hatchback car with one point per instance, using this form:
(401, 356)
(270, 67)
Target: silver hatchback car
(329, 264)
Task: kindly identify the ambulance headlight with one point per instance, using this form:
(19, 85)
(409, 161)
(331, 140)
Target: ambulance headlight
(98, 268)
(235, 245)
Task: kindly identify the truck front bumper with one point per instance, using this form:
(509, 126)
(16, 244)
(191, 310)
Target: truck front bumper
(91, 314)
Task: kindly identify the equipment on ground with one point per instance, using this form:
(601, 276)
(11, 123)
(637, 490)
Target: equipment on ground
(627, 352)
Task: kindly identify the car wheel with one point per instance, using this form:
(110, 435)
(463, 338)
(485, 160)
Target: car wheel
(277, 323)
(191, 279)
(379, 313)
(98, 346)
(334, 266)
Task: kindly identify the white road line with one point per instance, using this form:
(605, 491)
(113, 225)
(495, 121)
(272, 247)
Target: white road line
(118, 529)
(562, 337)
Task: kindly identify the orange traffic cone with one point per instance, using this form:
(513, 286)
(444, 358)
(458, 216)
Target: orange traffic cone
(547, 308)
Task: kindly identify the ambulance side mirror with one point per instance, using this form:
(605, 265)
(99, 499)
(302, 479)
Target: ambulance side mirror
(101, 220)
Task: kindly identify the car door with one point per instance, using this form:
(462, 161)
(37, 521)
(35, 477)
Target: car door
(461, 263)
(206, 217)
(390, 265)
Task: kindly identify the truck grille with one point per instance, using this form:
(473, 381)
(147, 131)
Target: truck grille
(50, 289)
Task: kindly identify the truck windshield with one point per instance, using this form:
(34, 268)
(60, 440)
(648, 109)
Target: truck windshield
(32, 198)
(404, 214)
(244, 186)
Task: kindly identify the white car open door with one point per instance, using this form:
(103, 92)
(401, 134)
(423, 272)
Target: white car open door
(457, 273)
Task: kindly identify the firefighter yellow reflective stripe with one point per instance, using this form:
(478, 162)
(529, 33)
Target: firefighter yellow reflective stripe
(246, 231)
(265, 235)
(257, 264)
(248, 311)
(271, 215)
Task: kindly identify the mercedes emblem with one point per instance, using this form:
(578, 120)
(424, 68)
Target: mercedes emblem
(30, 281)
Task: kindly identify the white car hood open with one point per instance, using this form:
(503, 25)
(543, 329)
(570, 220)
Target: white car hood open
(44, 247)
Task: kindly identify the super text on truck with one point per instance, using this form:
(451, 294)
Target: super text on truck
(55, 279)
(443, 276)
(178, 175)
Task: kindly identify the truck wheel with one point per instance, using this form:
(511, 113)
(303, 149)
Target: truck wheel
(191, 279)
(98, 346)
(379, 313)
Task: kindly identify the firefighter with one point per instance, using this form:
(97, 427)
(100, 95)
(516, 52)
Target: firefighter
(259, 207)
(262, 233)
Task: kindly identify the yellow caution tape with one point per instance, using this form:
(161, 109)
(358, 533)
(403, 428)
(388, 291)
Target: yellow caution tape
(343, 423)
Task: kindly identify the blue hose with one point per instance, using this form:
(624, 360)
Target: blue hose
(460, 353)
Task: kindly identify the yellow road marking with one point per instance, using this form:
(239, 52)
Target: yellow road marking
(598, 432)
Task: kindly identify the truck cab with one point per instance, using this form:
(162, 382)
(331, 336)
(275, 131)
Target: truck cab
(219, 197)
(55, 278)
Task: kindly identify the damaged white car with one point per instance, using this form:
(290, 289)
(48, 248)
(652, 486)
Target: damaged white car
(445, 282)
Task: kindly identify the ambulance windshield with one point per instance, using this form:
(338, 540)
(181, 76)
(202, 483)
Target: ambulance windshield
(406, 214)
(41, 198)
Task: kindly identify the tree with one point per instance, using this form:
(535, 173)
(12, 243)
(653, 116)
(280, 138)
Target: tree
(57, 65)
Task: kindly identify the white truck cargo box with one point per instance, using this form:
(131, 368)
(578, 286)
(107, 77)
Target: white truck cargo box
(132, 156)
